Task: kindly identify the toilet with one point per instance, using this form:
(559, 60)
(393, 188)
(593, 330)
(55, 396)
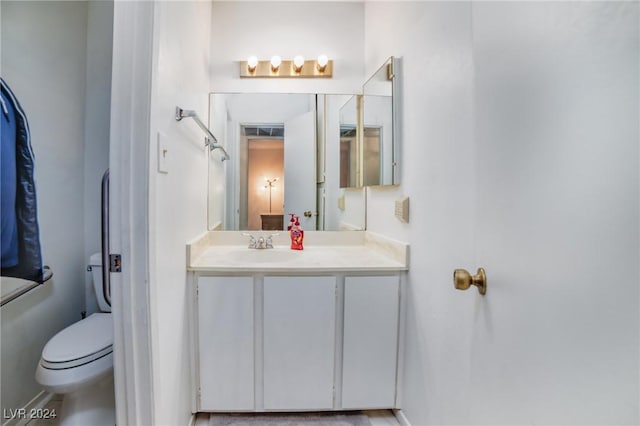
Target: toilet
(78, 363)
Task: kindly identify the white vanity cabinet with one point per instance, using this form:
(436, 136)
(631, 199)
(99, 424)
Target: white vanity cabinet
(289, 343)
(318, 329)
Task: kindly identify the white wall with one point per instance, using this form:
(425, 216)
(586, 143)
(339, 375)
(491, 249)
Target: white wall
(44, 61)
(96, 127)
(217, 190)
(437, 170)
(520, 154)
(178, 199)
(264, 29)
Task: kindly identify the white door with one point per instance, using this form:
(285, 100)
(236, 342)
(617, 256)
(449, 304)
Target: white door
(370, 348)
(225, 343)
(557, 218)
(300, 168)
(299, 342)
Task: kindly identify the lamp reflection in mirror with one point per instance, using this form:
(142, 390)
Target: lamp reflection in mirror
(270, 184)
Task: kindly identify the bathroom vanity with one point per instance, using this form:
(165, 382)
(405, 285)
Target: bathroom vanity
(285, 330)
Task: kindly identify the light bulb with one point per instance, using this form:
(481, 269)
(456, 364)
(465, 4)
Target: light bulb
(275, 63)
(322, 62)
(298, 62)
(252, 63)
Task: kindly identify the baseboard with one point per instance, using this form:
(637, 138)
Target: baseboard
(21, 417)
(199, 419)
(402, 419)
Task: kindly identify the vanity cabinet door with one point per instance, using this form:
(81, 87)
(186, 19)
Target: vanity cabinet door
(299, 342)
(225, 343)
(370, 350)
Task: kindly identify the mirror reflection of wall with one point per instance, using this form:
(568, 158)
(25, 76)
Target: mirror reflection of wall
(349, 143)
(348, 156)
(371, 157)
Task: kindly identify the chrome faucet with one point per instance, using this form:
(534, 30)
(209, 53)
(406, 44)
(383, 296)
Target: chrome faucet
(261, 242)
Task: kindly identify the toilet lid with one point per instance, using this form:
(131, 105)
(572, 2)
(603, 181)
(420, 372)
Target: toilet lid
(80, 343)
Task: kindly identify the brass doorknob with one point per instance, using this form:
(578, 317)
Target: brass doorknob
(308, 213)
(462, 280)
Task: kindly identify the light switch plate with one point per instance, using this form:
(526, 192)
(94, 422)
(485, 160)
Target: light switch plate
(163, 153)
(402, 209)
(341, 203)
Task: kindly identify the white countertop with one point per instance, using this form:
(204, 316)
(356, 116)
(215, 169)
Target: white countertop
(356, 251)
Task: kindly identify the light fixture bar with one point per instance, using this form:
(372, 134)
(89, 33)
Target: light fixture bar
(287, 69)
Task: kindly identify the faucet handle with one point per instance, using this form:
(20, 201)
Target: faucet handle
(270, 240)
(252, 240)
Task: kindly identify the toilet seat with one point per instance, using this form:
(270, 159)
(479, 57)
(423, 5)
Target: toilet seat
(80, 343)
(77, 356)
(75, 362)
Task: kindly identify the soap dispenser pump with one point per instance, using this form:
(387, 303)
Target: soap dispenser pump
(297, 234)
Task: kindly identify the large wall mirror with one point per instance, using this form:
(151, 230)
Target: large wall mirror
(285, 151)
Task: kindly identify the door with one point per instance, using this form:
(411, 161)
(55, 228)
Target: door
(370, 348)
(557, 217)
(225, 343)
(300, 168)
(299, 342)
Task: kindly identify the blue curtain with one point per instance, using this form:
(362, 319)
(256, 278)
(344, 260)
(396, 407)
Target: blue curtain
(21, 253)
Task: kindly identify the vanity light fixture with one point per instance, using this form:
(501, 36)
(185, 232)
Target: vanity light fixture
(298, 63)
(322, 62)
(322, 67)
(252, 63)
(275, 63)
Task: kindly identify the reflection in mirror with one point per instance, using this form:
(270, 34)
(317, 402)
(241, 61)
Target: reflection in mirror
(284, 149)
(380, 146)
(349, 143)
(371, 159)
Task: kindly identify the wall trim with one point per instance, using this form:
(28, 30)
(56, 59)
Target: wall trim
(402, 419)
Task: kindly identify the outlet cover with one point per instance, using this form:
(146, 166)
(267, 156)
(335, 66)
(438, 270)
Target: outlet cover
(402, 209)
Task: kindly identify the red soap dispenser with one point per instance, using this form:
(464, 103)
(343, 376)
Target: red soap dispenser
(297, 234)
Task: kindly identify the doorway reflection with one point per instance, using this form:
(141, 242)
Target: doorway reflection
(265, 192)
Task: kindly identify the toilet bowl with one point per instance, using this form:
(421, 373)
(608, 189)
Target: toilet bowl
(78, 363)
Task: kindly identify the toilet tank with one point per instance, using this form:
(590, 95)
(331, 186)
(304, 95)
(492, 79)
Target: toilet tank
(95, 262)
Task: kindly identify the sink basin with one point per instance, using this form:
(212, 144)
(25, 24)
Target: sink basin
(275, 255)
